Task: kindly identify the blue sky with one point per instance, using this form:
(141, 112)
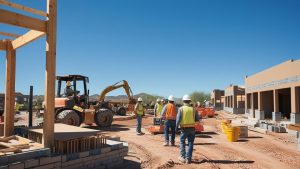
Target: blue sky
(162, 46)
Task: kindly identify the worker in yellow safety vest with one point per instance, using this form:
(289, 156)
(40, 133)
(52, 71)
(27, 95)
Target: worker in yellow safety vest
(169, 114)
(186, 118)
(158, 107)
(139, 112)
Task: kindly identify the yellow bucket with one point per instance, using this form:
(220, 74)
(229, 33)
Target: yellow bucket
(237, 132)
(224, 126)
(231, 133)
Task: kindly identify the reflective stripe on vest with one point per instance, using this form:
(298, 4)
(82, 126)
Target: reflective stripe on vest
(140, 109)
(188, 117)
(171, 112)
(159, 108)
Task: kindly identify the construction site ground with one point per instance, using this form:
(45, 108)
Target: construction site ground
(211, 150)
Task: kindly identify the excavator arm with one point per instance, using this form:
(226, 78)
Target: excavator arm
(116, 86)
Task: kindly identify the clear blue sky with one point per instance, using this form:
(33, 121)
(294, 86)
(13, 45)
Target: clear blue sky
(162, 46)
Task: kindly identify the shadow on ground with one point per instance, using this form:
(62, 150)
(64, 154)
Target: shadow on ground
(223, 161)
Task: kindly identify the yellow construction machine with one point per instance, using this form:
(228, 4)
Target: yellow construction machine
(72, 105)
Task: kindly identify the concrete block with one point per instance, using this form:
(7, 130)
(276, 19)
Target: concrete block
(4, 160)
(3, 166)
(260, 115)
(95, 152)
(31, 163)
(115, 145)
(114, 138)
(105, 150)
(71, 157)
(72, 162)
(276, 116)
(98, 156)
(57, 165)
(48, 166)
(292, 132)
(295, 118)
(298, 134)
(271, 128)
(84, 154)
(45, 160)
(17, 165)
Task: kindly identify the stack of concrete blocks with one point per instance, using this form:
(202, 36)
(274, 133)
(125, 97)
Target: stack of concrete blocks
(110, 157)
(276, 116)
(260, 115)
(295, 118)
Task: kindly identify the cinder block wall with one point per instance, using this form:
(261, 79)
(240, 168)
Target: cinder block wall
(111, 156)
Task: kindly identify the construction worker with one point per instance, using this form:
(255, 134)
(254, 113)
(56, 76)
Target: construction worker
(186, 118)
(68, 90)
(139, 112)
(169, 114)
(158, 107)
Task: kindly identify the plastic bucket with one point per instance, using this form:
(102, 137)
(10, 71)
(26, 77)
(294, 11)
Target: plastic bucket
(231, 134)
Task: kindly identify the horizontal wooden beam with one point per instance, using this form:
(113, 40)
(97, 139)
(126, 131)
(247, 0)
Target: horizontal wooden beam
(9, 34)
(2, 45)
(26, 38)
(20, 20)
(24, 8)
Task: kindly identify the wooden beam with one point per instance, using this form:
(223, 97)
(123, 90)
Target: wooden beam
(2, 45)
(9, 34)
(9, 110)
(24, 8)
(26, 38)
(20, 20)
(48, 129)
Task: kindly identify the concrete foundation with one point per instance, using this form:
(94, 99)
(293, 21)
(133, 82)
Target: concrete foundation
(276, 116)
(295, 118)
(260, 115)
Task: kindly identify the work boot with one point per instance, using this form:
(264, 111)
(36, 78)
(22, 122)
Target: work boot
(139, 133)
(188, 161)
(181, 159)
(166, 144)
(172, 144)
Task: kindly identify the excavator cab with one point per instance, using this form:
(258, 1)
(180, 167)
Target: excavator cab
(74, 88)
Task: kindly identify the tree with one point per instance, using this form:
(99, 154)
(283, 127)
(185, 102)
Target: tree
(197, 96)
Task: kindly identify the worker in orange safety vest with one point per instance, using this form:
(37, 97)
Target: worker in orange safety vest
(169, 114)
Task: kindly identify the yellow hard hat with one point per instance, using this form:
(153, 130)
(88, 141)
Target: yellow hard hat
(68, 83)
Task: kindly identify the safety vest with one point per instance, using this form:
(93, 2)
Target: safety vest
(159, 108)
(171, 111)
(139, 108)
(188, 117)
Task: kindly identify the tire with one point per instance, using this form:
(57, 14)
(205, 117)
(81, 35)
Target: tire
(104, 117)
(121, 111)
(69, 117)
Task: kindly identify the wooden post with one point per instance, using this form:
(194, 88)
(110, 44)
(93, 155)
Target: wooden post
(48, 129)
(10, 90)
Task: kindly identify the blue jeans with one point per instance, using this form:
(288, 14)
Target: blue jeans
(138, 123)
(189, 134)
(170, 124)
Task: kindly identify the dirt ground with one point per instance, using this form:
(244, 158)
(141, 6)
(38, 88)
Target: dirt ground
(211, 150)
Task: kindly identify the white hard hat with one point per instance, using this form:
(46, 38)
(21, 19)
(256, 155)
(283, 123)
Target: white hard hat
(157, 100)
(162, 100)
(171, 98)
(140, 99)
(186, 97)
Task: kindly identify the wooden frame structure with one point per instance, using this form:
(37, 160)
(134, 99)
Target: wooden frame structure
(37, 28)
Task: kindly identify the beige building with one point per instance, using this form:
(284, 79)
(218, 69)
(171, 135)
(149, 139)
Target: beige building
(217, 99)
(275, 93)
(235, 99)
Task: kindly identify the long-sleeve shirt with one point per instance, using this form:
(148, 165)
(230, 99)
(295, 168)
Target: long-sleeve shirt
(164, 110)
(179, 116)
